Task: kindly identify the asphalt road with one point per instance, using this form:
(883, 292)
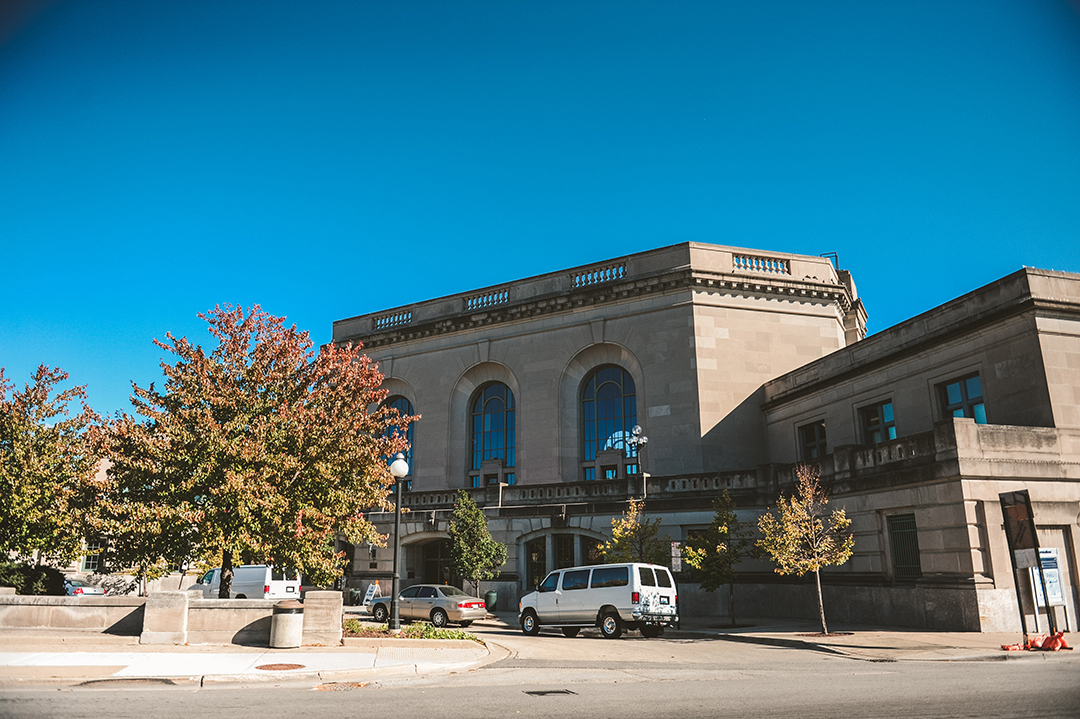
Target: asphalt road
(550, 676)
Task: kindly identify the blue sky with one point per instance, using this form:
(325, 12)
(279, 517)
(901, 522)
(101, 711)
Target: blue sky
(328, 159)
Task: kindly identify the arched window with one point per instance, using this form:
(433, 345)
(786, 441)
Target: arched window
(493, 425)
(608, 414)
(404, 407)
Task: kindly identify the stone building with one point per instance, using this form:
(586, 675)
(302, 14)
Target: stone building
(737, 364)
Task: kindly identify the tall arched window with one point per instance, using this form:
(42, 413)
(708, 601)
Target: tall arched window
(608, 413)
(403, 406)
(493, 426)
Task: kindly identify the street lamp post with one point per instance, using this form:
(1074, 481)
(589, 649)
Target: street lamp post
(638, 441)
(398, 469)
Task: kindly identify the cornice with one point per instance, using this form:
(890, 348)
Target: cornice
(682, 279)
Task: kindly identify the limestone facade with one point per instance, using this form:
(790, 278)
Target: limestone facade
(731, 354)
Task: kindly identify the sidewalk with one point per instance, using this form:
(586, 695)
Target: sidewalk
(68, 658)
(863, 642)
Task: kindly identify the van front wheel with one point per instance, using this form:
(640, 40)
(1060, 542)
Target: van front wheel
(529, 623)
(611, 626)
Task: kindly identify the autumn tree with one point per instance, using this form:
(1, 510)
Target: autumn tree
(802, 536)
(715, 551)
(635, 538)
(48, 460)
(261, 450)
(473, 553)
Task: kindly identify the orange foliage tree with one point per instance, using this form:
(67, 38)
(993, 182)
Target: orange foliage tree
(263, 450)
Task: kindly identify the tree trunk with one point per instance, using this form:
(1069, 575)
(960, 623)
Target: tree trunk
(142, 577)
(820, 602)
(226, 575)
(731, 602)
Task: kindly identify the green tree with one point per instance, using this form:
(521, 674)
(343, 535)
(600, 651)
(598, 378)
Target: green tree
(715, 551)
(473, 553)
(262, 449)
(802, 537)
(634, 538)
(48, 459)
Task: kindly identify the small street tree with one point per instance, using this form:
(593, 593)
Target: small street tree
(48, 459)
(634, 538)
(261, 450)
(715, 551)
(802, 537)
(473, 553)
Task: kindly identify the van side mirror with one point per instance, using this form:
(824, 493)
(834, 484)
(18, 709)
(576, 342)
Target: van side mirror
(198, 580)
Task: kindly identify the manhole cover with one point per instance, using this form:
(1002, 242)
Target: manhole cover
(549, 692)
(279, 667)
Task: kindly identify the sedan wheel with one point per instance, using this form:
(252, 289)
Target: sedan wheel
(380, 613)
(439, 618)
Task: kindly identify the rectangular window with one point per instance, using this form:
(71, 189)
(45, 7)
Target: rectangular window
(648, 579)
(663, 578)
(878, 424)
(812, 442)
(963, 398)
(611, 472)
(578, 579)
(564, 550)
(590, 474)
(610, 577)
(475, 481)
(904, 542)
(511, 479)
(94, 560)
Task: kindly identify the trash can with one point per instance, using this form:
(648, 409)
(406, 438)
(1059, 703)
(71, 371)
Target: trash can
(490, 599)
(287, 625)
(356, 597)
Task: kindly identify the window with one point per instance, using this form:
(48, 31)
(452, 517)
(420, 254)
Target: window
(94, 560)
(812, 443)
(578, 579)
(493, 425)
(878, 424)
(608, 414)
(904, 542)
(550, 583)
(408, 592)
(426, 593)
(564, 550)
(963, 398)
(610, 577)
(404, 407)
(648, 579)
(663, 578)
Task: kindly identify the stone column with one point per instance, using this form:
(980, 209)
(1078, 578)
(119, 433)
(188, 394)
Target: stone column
(322, 618)
(166, 618)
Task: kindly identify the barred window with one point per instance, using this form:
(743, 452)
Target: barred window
(904, 542)
(963, 398)
(608, 412)
(405, 408)
(812, 441)
(878, 423)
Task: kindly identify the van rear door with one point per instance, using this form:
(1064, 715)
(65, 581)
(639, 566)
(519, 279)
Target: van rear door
(283, 584)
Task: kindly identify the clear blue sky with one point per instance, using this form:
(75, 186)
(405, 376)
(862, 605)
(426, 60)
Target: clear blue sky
(327, 159)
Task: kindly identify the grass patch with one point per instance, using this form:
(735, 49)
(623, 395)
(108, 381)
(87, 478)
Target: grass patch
(415, 630)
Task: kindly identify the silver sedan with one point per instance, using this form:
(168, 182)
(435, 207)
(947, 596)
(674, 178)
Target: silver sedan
(438, 603)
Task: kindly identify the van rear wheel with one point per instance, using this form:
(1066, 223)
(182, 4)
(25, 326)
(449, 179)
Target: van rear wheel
(611, 626)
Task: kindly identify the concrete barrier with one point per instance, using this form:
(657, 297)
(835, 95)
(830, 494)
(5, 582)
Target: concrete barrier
(174, 617)
(115, 615)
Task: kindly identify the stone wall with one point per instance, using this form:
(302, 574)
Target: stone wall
(114, 615)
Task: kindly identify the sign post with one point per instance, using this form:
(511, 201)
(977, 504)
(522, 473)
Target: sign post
(1024, 552)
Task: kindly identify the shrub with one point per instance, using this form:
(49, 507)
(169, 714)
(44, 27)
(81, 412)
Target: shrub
(29, 579)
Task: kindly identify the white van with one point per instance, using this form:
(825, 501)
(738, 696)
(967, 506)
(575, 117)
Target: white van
(611, 597)
(252, 581)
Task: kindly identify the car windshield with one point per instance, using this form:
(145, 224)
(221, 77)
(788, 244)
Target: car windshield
(453, 592)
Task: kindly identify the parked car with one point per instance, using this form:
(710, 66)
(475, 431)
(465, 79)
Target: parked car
(611, 597)
(438, 603)
(78, 588)
(252, 581)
